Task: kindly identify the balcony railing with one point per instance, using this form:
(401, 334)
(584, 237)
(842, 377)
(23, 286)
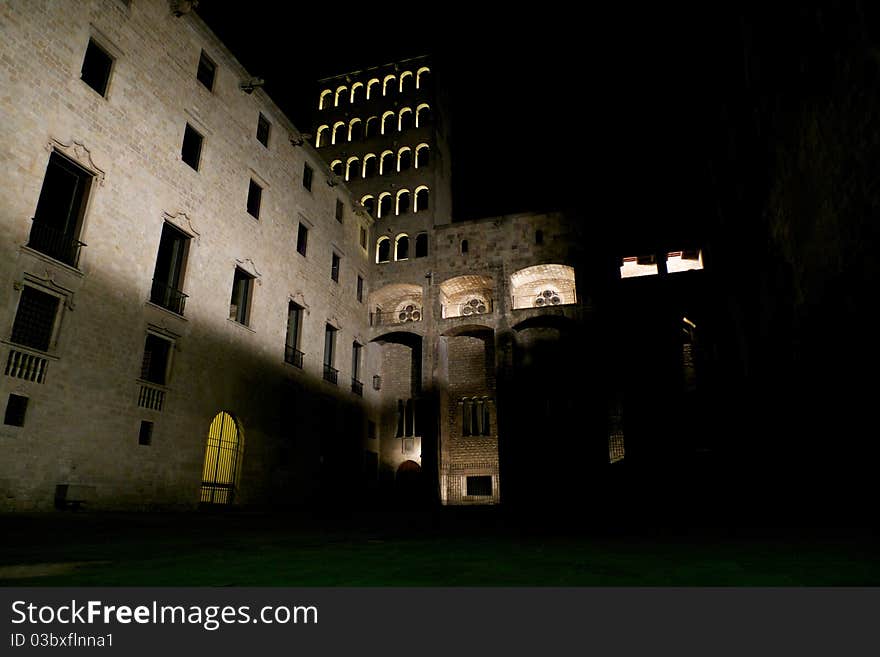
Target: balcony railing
(384, 318)
(537, 301)
(330, 374)
(293, 356)
(357, 387)
(23, 365)
(54, 243)
(168, 297)
(150, 396)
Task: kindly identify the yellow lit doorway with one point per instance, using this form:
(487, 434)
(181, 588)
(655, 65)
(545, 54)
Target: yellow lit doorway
(222, 460)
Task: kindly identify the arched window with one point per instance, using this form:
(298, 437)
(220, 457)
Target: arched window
(322, 136)
(388, 84)
(372, 86)
(323, 101)
(223, 452)
(423, 157)
(386, 163)
(387, 122)
(339, 132)
(371, 127)
(406, 80)
(402, 201)
(370, 165)
(401, 247)
(405, 120)
(422, 76)
(423, 115)
(421, 245)
(422, 196)
(340, 93)
(354, 88)
(369, 203)
(404, 159)
(464, 246)
(383, 249)
(336, 167)
(386, 203)
(352, 164)
(355, 130)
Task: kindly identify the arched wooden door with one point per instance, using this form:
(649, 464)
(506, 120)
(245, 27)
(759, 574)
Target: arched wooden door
(222, 460)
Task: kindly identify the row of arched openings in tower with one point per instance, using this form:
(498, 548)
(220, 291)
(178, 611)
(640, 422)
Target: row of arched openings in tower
(401, 246)
(388, 85)
(358, 129)
(387, 162)
(388, 203)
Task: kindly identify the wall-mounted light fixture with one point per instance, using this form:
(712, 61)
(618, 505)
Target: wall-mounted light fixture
(248, 86)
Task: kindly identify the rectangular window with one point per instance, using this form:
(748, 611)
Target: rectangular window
(239, 303)
(334, 268)
(168, 274)
(363, 238)
(145, 437)
(356, 361)
(340, 210)
(206, 72)
(96, 67)
(263, 128)
(255, 196)
(360, 289)
(154, 366)
(191, 151)
(292, 354)
(475, 418)
(16, 407)
(371, 430)
(35, 319)
(307, 177)
(60, 210)
(330, 372)
(302, 239)
(479, 485)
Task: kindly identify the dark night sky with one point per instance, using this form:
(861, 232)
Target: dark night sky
(604, 112)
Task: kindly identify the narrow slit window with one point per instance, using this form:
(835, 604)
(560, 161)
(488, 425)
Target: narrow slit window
(263, 129)
(254, 199)
(302, 239)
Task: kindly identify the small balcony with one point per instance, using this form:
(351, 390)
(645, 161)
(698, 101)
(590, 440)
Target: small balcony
(151, 396)
(293, 356)
(357, 387)
(330, 374)
(168, 297)
(56, 244)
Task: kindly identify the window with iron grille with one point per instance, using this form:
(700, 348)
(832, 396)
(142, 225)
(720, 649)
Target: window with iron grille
(35, 319)
(263, 129)
(206, 72)
(16, 408)
(96, 67)
(330, 372)
(479, 485)
(154, 365)
(240, 302)
(292, 354)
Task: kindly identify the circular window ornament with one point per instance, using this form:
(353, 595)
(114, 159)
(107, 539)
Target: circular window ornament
(409, 313)
(475, 306)
(548, 298)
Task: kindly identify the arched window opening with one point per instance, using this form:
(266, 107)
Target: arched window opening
(355, 130)
(386, 203)
(404, 159)
(422, 245)
(386, 164)
(223, 454)
(354, 88)
(388, 84)
(402, 201)
(336, 167)
(383, 249)
(406, 81)
(372, 86)
(339, 132)
(464, 246)
(421, 199)
(422, 76)
(369, 203)
(423, 115)
(401, 247)
(371, 127)
(322, 135)
(543, 286)
(405, 121)
(370, 165)
(322, 101)
(340, 93)
(387, 122)
(423, 157)
(353, 163)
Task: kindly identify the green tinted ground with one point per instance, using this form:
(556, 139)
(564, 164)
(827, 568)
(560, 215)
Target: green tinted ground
(86, 549)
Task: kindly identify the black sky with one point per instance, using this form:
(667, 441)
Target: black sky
(601, 111)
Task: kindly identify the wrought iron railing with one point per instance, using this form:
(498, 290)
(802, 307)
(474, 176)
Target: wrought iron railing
(168, 297)
(54, 243)
(330, 374)
(539, 300)
(384, 318)
(357, 387)
(293, 356)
